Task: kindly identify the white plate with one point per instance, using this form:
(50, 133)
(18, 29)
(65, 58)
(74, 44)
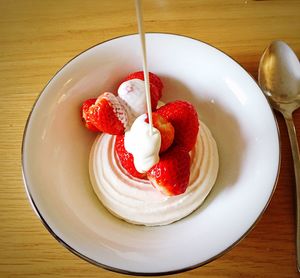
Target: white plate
(56, 150)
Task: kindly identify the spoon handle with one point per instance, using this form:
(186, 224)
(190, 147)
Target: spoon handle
(295, 152)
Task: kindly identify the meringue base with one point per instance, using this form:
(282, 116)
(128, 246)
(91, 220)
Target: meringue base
(137, 201)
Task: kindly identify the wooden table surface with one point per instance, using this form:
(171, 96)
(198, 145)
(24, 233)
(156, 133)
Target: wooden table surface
(39, 37)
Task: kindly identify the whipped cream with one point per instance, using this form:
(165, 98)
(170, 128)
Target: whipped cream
(136, 200)
(143, 146)
(133, 93)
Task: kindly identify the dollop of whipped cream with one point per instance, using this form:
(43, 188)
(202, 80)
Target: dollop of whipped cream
(132, 92)
(143, 146)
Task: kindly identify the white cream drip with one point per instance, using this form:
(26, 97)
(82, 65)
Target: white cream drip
(143, 146)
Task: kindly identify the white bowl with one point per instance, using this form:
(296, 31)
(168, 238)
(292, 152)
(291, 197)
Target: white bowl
(56, 149)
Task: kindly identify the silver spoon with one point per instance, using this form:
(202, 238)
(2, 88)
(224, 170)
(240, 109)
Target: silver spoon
(279, 78)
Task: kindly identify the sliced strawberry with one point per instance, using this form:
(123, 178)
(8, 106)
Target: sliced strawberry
(166, 130)
(85, 115)
(184, 118)
(153, 79)
(126, 158)
(172, 173)
(108, 114)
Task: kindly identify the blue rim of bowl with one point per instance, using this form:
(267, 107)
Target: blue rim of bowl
(119, 270)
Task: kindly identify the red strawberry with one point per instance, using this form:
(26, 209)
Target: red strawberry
(165, 128)
(153, 79)
(184, 118)
(172, 173)
(155, 95)
(108, 114)
(126, 158)
(85, 115)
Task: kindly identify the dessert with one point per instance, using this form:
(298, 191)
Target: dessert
(149, 177)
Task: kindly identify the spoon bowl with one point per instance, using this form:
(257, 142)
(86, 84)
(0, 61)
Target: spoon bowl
(279, 78)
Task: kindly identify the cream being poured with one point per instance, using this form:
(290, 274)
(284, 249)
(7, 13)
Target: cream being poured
(142, 140)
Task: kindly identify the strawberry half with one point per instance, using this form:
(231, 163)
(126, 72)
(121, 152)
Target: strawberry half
(108, 114)
(172, 173)
(184, 118)
(85, 114)
(126, 158)
(153, 79)
(166, 130)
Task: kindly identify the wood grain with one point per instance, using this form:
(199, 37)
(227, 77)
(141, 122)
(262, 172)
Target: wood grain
(39, 37)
